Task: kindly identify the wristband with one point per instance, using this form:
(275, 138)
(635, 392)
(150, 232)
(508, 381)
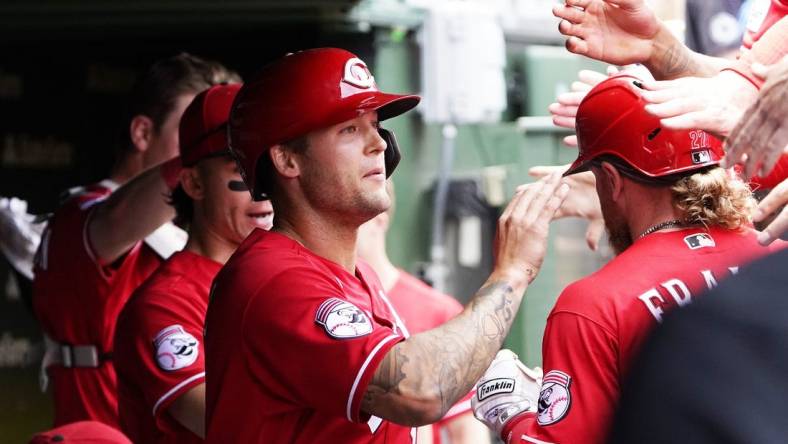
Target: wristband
(747, 75)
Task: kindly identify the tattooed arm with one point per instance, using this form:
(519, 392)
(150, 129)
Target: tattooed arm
(622, 32)
(671, 59)
(420, 378)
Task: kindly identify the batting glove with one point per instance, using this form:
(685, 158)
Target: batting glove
(507, 389)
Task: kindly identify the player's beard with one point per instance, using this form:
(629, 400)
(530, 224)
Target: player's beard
(355, 202)
(618, 234)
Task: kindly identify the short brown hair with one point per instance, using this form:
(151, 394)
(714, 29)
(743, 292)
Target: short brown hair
(156, 91)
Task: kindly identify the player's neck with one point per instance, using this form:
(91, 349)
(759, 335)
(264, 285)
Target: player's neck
(651, 209)
(205, 241)
(326, 238)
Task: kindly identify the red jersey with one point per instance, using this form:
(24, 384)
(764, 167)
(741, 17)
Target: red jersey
(599, 323)
(159, 352)
(77, 298)
(292, 341)
(423, 308)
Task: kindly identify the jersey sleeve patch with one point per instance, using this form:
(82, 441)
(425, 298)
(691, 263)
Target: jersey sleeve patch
(555, 398)
(342, 320)
(175, 348)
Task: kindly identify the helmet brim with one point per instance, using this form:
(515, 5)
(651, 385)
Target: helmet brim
(389, 105)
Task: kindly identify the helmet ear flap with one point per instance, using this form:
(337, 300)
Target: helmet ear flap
(392, 154)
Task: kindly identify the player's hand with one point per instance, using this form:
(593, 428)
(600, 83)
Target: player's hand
(713, 104)
(564, 110)
(761, 136)
(582, 201)
(521, 238)
(620, 32)
(775, 201)
(507, 389)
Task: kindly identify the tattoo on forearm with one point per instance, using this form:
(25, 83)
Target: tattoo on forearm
(449, 359)
(676, 61)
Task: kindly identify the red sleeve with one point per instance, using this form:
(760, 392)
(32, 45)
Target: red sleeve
(291, 351)
(766, 41)
(580, 387)
(67, 243)
(762, 16)
(167, 356)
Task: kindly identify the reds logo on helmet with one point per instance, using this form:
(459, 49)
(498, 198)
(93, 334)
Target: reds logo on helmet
(357, 74)
(300, 93)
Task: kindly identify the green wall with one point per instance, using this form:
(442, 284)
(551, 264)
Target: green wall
(546, 71)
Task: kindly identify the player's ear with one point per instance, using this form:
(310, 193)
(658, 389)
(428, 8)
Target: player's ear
(613, 180)
(141, 131)
(285, 161)
(192, 183)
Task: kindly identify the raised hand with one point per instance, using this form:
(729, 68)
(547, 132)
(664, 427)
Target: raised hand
(582, 201)
(564, 109)
(761, 135)
(713, 104)
(620, 32)
(521, 238)
(776, 200)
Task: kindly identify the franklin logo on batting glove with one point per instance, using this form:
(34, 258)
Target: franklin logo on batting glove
(494, 387)
(342, 320)
(506, 389)
(175, 348)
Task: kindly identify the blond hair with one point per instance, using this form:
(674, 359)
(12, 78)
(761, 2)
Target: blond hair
(714, 197)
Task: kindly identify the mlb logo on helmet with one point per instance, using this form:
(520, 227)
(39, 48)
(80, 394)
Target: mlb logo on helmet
(702, 156)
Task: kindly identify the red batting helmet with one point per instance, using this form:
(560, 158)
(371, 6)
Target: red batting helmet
(304, 92)
(612, 119)
(203, 127)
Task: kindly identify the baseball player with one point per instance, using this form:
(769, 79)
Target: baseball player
(300, 345)
(101, 244)
(159, 353)
(420, 308)
(679, 224)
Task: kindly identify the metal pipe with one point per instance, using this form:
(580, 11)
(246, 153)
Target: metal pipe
(438, 269)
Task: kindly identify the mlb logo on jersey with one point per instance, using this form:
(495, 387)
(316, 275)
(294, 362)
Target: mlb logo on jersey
(342, 320)
(699, 240)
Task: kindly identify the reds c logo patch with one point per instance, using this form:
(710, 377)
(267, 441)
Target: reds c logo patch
(175, 348)
(555, 397)
(357, 74)
(342, 320)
